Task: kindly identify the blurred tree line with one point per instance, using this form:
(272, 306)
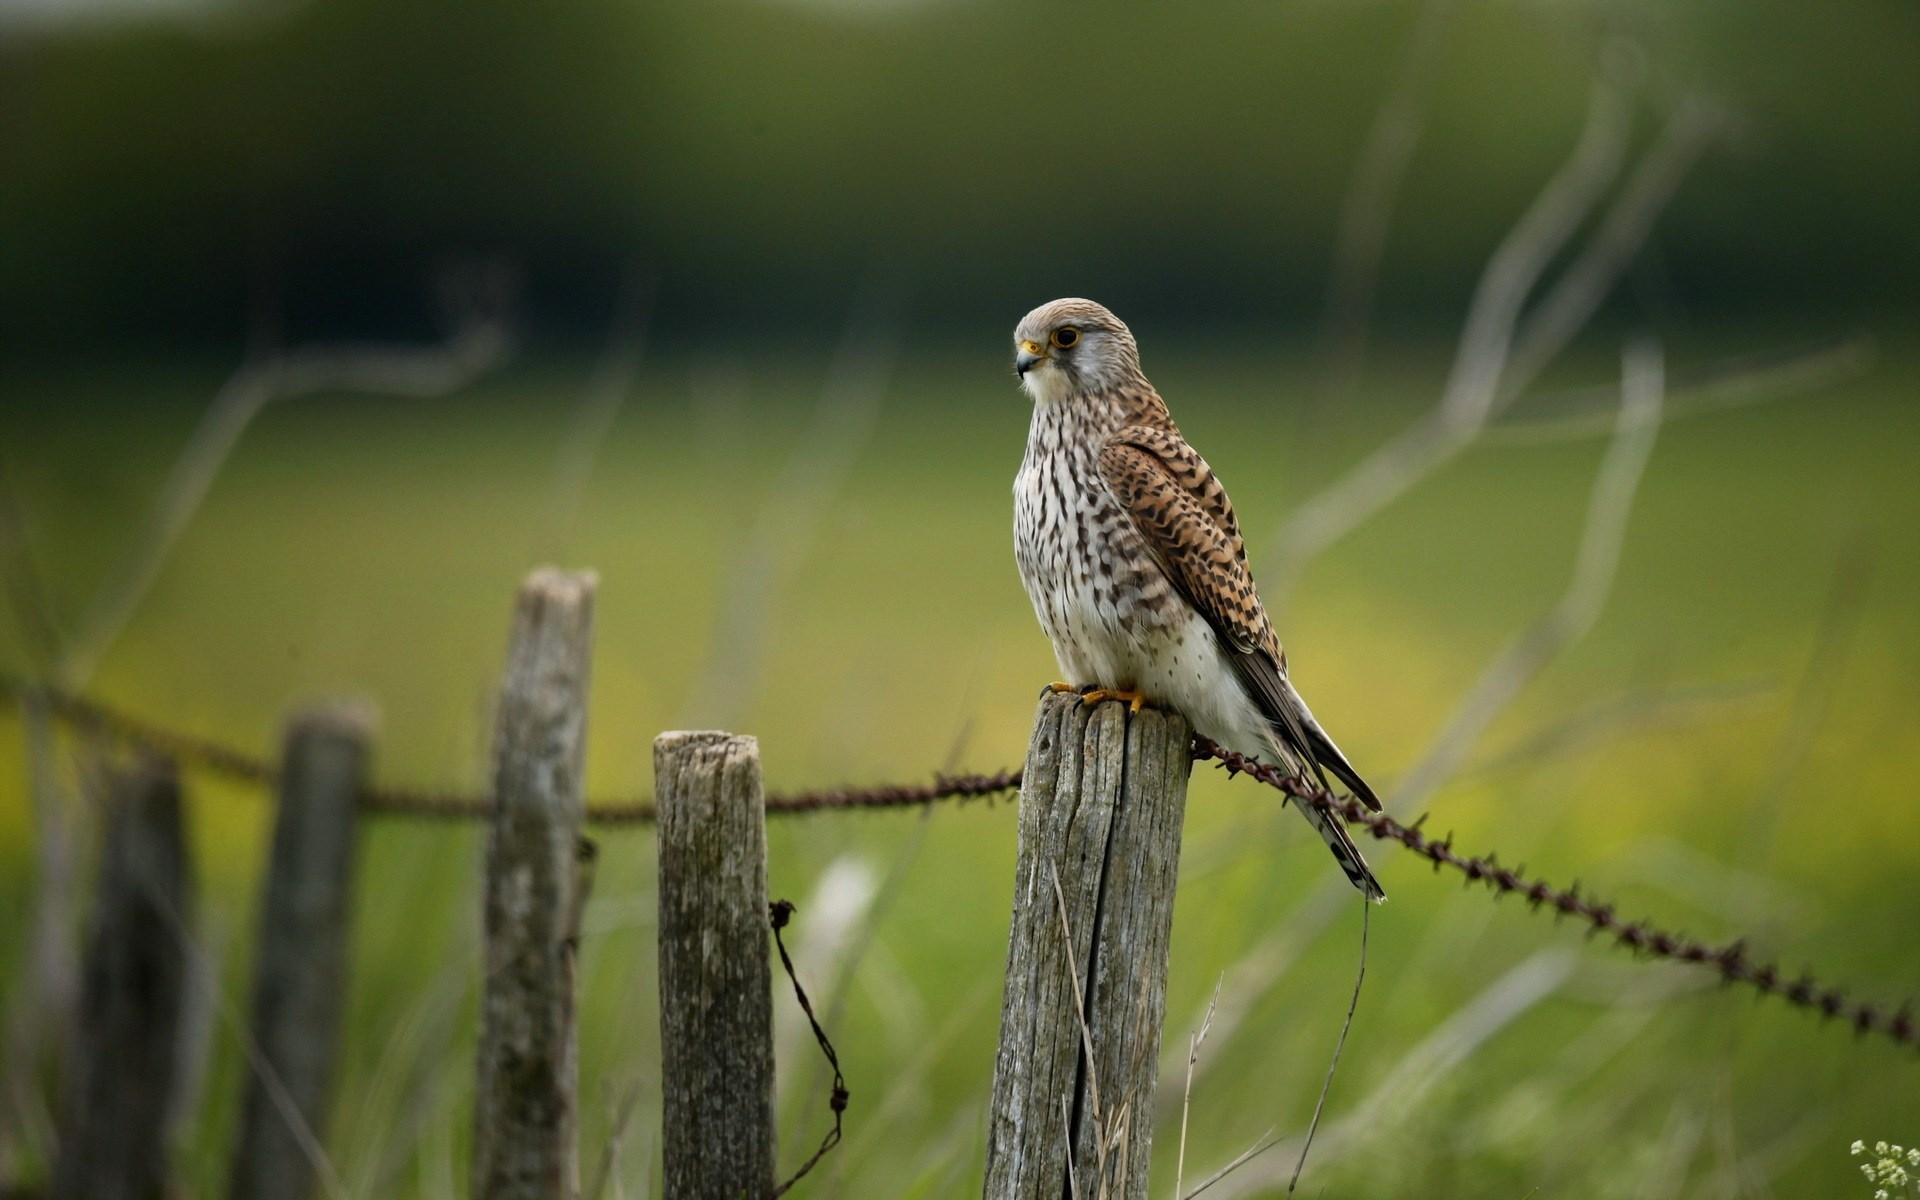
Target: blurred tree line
(161, 177)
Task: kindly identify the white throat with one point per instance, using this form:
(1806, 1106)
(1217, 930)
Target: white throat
(1047, 383)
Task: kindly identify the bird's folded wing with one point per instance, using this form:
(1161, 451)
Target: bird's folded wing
(1182, 512)
(1183, 464)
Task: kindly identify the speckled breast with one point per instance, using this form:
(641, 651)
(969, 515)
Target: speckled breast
(1095, 589)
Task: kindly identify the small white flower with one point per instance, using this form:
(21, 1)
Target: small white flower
(1880, 1148)
(1859, 1147)
(1867, 1169)
(1882, 1195)
(1913, 1158)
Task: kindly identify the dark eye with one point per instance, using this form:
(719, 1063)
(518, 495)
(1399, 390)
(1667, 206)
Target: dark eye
(1065, 337)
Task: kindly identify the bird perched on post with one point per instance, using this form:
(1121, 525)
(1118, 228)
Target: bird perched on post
(1130, 552)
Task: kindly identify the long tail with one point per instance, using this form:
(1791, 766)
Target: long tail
(1345, 852)
(1328, 755)
(1298, 733)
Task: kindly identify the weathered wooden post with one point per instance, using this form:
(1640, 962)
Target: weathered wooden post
(525, 1108)
(716, 1003)
(133, 979)
(1101, 804)
(300, 966)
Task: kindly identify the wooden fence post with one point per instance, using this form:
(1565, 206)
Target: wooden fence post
(524, 1105)
(300, 964)
(716, 1003)
(133, 980)
(1101, 804)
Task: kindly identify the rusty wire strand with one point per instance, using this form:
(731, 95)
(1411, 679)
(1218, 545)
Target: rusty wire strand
(92, 717)
(1731, 961)
(779, 913)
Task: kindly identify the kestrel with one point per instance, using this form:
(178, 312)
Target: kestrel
(1130, 552)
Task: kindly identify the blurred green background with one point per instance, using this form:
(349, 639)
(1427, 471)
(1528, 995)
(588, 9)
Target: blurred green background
(756, 265)
(756, 157)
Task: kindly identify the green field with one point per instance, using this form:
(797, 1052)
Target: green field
(1676, 759)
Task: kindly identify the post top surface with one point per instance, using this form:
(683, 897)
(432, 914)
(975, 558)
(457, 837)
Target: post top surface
(561, 584)
(355, 717)
(718, 738)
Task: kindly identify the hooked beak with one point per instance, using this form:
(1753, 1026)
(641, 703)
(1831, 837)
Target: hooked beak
(1031, 352)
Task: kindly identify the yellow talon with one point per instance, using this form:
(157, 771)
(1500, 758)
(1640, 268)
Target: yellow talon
(1135, 700)
(1060, 685)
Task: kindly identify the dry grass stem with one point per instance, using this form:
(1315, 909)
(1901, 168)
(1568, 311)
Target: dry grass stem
(26, 593)
(1579, 606)
(1066, 1126)
(473, 350)
(797, 504)
(1661, 708)
(1367, 212)
(1421, 1069)
(1472, 388)
(616, 1137)
(203, 974)
(1574, 298)
(593, 417)
(48, 983)
(1814, 693)
(909, 1083)
(1590, 412)
(1261, 1145)
(416, 1082)
(1186, 1094)
(50, 977)
(1086, 1037)
(1359, 977)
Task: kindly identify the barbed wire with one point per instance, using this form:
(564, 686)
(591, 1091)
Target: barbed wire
(218, 758)
(610, 811)
(90, 716)
(1644, 938)
(1732, 961)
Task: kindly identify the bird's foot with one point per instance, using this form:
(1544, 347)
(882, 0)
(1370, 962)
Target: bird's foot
(1059, 687)
(1135, 701)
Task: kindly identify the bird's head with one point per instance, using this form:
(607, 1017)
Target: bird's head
(1069, 348)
